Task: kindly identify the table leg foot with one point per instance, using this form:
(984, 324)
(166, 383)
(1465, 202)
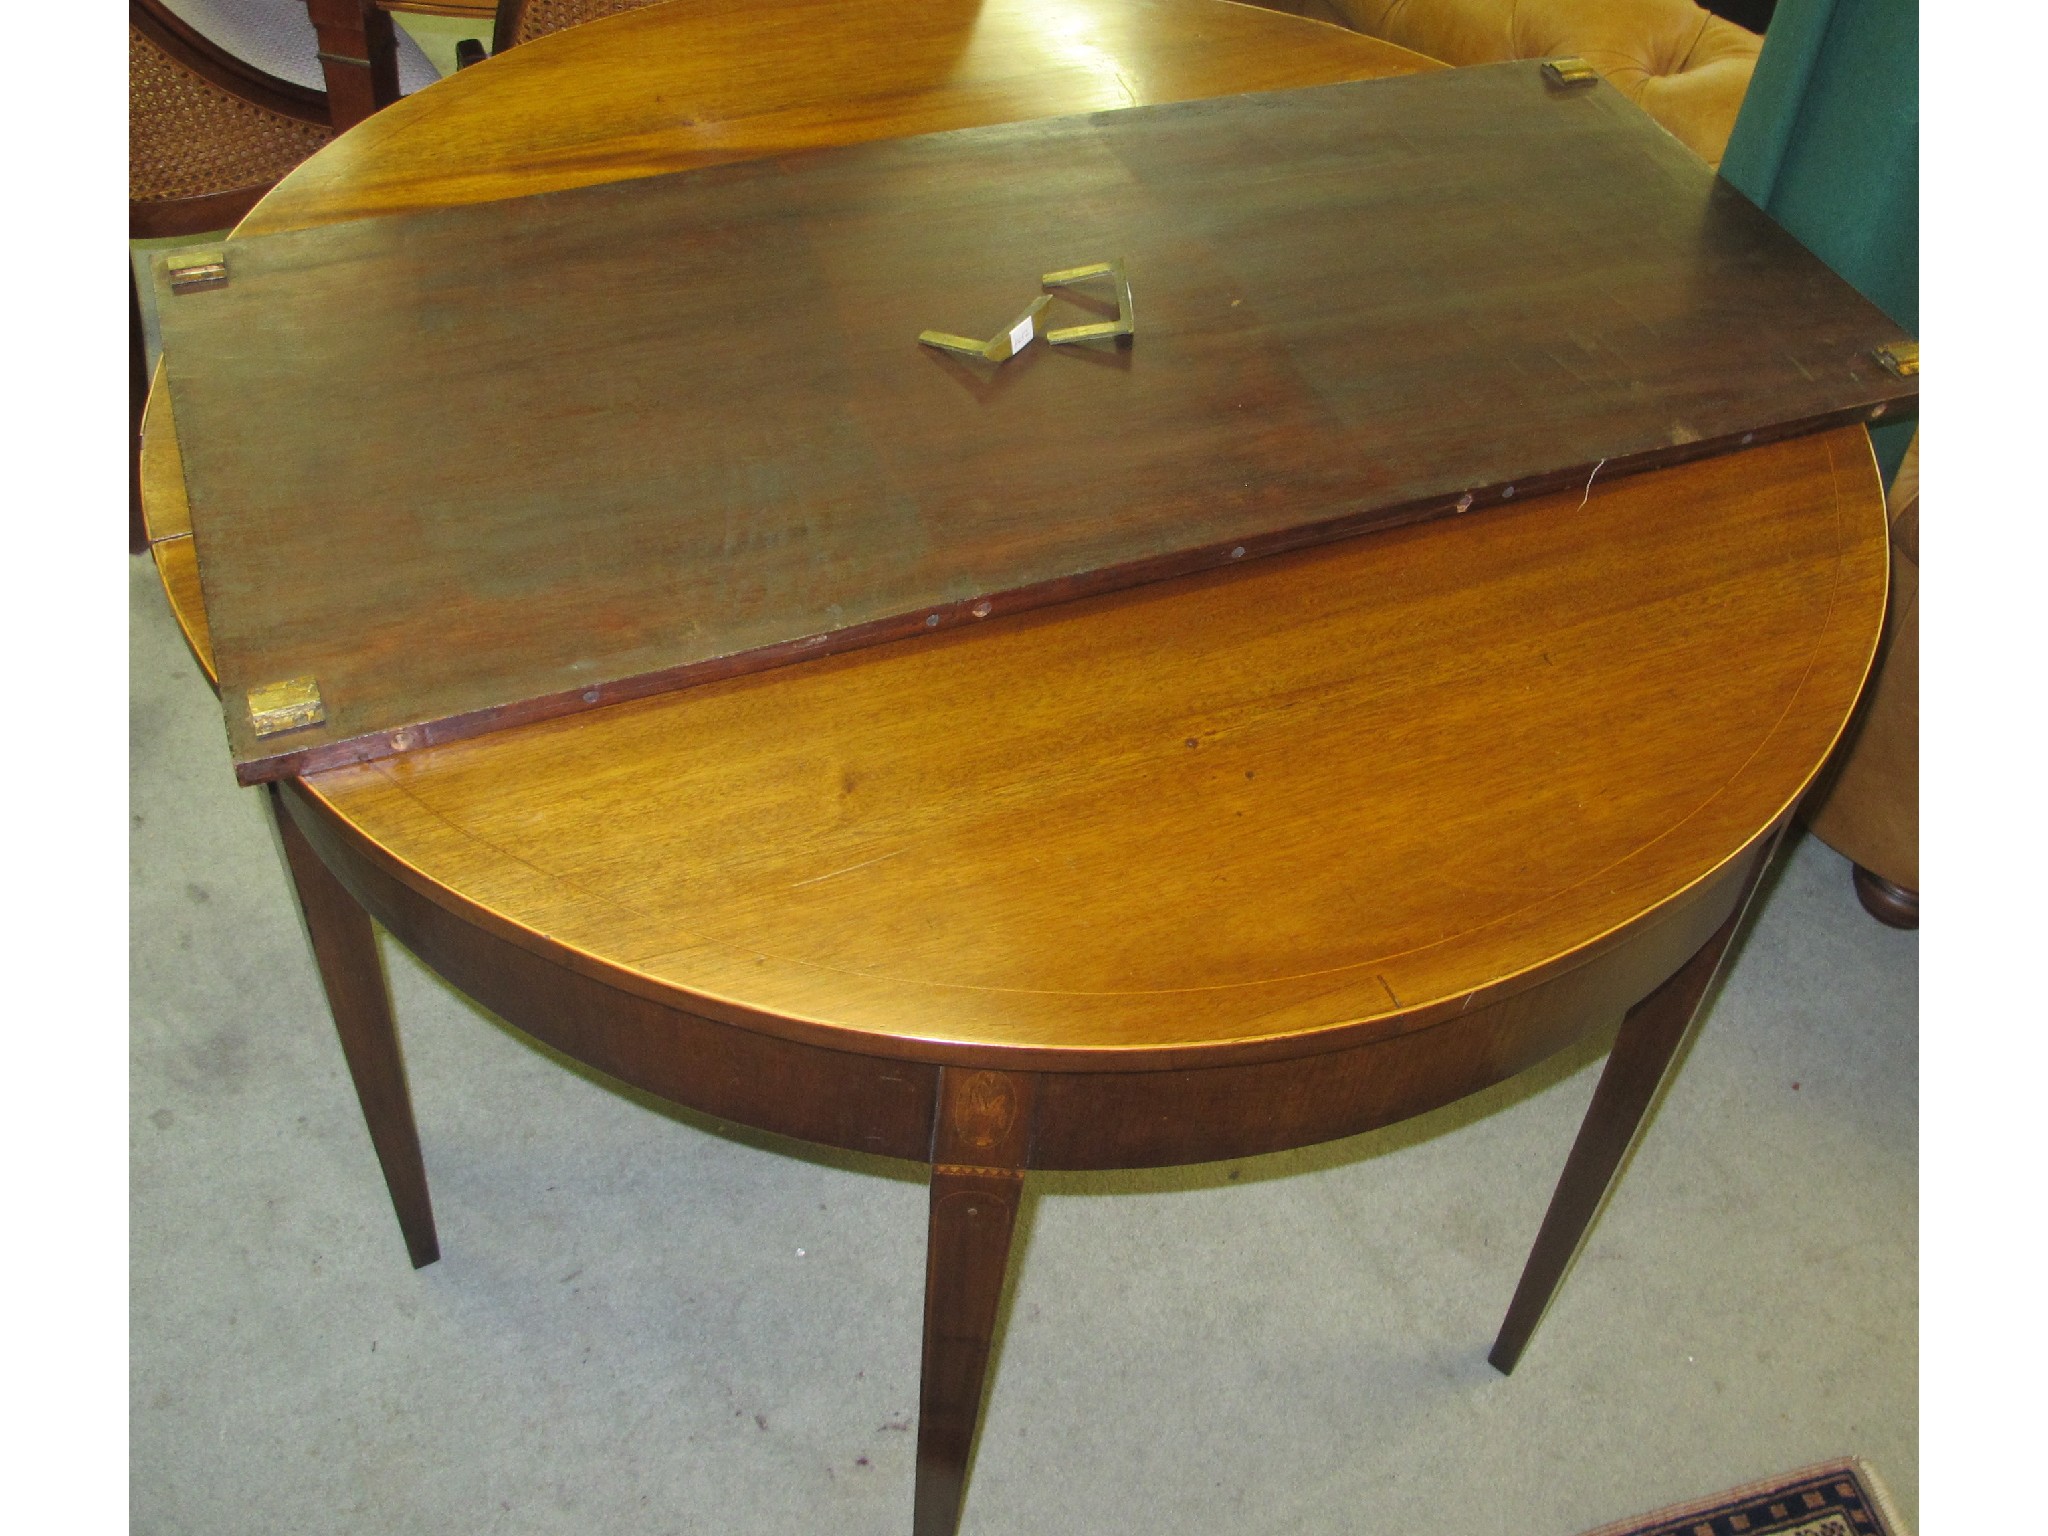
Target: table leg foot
(1650, 1036)
(980, 1144)
(346, 948)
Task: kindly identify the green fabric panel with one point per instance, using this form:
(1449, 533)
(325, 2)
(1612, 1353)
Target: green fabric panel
(1770, 108)
(1828, 144)
(1891, 443)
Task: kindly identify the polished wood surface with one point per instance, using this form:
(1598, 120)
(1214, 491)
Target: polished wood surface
(1347, 788)
(707, 82)
(1231, 863)
(1710, 622)
(538, 456)
(1138, 1109)
(167, 518)
(345, 948)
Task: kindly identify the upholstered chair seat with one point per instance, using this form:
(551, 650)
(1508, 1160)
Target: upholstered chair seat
(277, 37)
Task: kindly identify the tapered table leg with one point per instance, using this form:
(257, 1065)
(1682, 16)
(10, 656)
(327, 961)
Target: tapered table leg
(979, 1149)
(1643, 1051)
(350, 969)
(138, 395)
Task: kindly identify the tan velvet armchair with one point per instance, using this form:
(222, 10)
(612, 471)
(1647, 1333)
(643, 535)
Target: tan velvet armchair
(1867, 805)
(1683, 65)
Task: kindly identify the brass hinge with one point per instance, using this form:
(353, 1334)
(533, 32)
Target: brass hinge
(1569, 72)
(285, 706)
(190, 271)
(1902, 358)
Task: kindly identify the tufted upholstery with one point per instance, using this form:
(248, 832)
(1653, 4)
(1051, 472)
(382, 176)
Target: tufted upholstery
(1867, 805)
(1686, 67)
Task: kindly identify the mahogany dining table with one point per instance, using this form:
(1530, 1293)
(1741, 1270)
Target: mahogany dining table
(1218, 866)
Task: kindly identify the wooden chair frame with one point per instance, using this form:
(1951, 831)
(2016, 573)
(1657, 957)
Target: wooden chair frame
(358, 55)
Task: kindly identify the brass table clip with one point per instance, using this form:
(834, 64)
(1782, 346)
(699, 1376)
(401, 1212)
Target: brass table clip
(1000, 348)
(1126, 321)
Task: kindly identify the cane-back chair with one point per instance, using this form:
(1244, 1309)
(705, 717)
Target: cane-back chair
(521, 21)
(209, 133)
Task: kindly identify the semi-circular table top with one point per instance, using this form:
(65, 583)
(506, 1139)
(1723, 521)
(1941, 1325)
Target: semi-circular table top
(1351, 790)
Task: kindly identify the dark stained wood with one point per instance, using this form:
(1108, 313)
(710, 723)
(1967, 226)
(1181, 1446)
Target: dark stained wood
(505, 24)
(691, 83)
(981, 1142)
(1205, 1114)
(1891, 904)
(1643, 1051)
(1246, 848)
(138, 396)
(157, 217)
(1453, 757)
(190, 215)
(358, 56)
(785, 474)
(973, 1213)
(836, 1098)
(346, 949)
(473, 10)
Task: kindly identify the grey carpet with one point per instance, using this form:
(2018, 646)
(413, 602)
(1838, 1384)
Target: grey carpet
(647, 1322)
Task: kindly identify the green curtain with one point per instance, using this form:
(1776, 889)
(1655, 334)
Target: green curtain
(1828, 144)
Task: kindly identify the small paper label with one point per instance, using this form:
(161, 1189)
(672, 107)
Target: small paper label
(1020, 335)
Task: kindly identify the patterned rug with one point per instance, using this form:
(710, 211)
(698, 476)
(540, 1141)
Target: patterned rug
(1836, 1498)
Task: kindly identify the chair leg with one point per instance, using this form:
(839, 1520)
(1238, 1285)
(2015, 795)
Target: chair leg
(138, 393)
(1650, 1036)
(1892, 905)
(346, 949)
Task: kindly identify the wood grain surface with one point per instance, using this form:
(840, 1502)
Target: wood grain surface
(594, 842)
(709, 82)
(1355, 788)
(519, 460)
(1229, 863)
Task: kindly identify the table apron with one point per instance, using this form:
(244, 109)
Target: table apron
(1203, 1114)
(1108, 1119)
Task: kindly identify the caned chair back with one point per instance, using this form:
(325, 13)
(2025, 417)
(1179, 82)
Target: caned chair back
(521, 21)
(207, 133)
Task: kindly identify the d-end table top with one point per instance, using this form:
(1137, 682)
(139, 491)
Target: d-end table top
(1352, 789)
(706, 82)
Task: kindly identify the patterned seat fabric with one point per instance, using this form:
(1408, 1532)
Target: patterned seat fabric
(537, 18)
(188, 137)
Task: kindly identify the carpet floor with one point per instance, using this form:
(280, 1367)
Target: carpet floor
(647, 1322)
